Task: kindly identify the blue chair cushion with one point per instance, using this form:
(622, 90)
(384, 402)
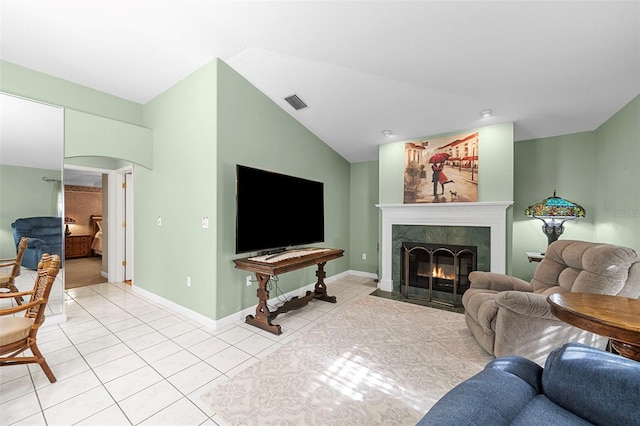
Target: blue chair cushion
(579, 385)
(600, 387)
(45, 236)
(514, 381)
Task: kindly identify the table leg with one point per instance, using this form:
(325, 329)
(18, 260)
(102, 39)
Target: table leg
(262, 319)
(320, 291)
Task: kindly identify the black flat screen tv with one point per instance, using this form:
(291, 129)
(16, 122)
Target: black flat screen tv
(275, 211)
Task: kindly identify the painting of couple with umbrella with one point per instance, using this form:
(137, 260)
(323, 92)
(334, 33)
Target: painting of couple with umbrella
(442, 170)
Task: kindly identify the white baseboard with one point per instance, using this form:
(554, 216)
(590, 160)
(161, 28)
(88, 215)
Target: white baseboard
(363, 274)
(192, 315)
(240, 315)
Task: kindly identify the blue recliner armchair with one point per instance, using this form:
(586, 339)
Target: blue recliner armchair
(579, 385)
(45, 236)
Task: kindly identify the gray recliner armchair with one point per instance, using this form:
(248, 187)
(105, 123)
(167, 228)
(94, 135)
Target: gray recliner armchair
(510, 316)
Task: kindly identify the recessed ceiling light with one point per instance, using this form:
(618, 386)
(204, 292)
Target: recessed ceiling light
(387, 133)
(485, 113)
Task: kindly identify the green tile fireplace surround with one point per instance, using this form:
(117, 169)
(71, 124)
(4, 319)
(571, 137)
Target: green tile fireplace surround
(479, 236)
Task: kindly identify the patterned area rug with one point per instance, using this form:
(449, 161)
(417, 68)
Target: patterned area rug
(374, 362)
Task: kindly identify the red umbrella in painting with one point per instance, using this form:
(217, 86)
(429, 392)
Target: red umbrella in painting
(441, 157)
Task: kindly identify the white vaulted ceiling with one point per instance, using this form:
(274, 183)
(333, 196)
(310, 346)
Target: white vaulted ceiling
(417, 68)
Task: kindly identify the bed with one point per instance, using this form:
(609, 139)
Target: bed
(96, 226)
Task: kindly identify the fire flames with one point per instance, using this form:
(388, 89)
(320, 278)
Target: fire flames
(439, 273)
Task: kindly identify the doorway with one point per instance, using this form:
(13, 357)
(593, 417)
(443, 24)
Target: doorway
(84, 203)
(116, 221)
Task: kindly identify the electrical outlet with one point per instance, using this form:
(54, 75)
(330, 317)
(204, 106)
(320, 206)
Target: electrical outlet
(159, 221)
(364, 256)
(188, 281)
(205, 222)
(248, 280)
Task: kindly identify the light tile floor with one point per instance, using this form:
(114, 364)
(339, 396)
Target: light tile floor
(121, 359)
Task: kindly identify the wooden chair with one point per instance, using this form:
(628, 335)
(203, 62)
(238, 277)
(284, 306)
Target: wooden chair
(8, 279)
(17, 334)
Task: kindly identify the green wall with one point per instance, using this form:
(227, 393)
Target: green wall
(96, 162)
(391, 173)
(364, 226)
(23, 193)
(96, 124)
(90, 135)
(203, 127)
(563, 164)
(596, 169)
(495, 165)
(617, 178)
(35, 85)
(181, 190)
(254, 131)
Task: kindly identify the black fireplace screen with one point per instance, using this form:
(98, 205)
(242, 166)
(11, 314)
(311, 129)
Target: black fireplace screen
(436, 272)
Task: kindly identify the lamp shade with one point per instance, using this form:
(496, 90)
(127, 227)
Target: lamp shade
(555, 208)
(553, 212)
(67, 221)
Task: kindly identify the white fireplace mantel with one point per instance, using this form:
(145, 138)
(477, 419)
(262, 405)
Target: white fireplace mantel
(492, 214)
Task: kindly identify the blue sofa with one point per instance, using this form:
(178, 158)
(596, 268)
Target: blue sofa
(579, 385)
(45, 236)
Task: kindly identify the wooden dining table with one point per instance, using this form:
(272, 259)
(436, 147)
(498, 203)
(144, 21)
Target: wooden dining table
(615, 317)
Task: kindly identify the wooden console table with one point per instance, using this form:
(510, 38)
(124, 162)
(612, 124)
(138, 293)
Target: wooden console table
(264, 271)
(612, 316)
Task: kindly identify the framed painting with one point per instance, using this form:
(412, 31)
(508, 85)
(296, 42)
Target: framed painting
(442, 170)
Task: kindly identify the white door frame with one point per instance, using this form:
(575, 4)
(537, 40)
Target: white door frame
(117, 214)
(117, 208)
(128, 240)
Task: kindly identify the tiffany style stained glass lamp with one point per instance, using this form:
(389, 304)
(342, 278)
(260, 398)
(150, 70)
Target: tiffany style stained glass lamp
(554, 212)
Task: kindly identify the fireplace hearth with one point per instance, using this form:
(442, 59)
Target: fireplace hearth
(437, 273)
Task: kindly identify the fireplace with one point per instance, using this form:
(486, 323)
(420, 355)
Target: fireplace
(491, 214)
(436, 273)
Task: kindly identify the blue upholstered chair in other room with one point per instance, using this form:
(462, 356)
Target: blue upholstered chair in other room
(45, 236)
(579, 385)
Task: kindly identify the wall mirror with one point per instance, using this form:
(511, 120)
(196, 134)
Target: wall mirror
(31, 158)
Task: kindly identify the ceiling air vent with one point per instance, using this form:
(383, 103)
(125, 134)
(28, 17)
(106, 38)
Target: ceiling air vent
(295, 102)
